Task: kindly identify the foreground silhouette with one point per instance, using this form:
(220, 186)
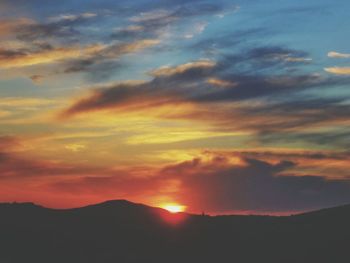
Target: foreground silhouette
(120, 231)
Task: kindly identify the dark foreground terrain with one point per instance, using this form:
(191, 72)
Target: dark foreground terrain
(120, 231)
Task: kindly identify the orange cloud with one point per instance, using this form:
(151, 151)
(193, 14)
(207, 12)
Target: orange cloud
(221, 83)
(20, 58)
(23, 59)
(338, 70)
(8, 27)
(334, 54)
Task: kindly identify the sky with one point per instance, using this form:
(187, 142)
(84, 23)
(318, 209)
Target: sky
(217, 106)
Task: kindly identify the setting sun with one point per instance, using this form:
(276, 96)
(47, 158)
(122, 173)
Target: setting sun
(174, 208)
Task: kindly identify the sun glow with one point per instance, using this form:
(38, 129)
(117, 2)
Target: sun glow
(174, 208)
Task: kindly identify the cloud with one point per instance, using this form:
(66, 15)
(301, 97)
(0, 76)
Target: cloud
(222, 185)
(296, 59)
(221, 82)
(215, 182)
(335, 138)
(8, 143)
(24, 58)
(158, 22)
(61, 26)
(76, 58)
(278, 53)
(333, 54)
(37, 79)
(296, 155)
(197, 29)
(71, 17)
(16, 167)
(212, 46)
(61, 40)
(130, 32)
(169, 71)
(9, 26)
(197, 83)
(104, 60)
(138, 95)
(75, 147)
(294, 114)
(152, 16)
(255, 86)
(181, 11)
(120, 96)
(330, 164)
(193, 82)
(67, 33)
(115, 50)
(14, 102)
(52, 183)
(338, 70)
(255, 186)
(265, 60)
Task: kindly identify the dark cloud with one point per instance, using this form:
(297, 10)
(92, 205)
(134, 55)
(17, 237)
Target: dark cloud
(100, 65)
(64, 26)
(327, 163)
(79, 65)
(250, 87)
(41, 31)
(161, 90)
(11, 53)
(338, 138)
(97, 71)
(256, 186)
(275, 53)
(132, 33)
(263, 61)
(189, 83)
(293, 114)
(303, 155)
(105, 70)
(211, 46)
(284, 155)
(235, 81)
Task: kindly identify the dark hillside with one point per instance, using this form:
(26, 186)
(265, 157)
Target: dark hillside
(120, 231)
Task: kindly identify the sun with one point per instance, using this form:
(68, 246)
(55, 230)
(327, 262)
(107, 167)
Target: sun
(174, 208)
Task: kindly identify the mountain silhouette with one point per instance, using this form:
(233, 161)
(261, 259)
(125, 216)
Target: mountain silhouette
(121, 231)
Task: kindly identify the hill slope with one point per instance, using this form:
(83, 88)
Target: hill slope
(120, 231)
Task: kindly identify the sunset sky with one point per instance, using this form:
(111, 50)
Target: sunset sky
(218, 106)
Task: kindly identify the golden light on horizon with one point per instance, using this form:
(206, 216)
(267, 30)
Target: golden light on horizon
(174, 208)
